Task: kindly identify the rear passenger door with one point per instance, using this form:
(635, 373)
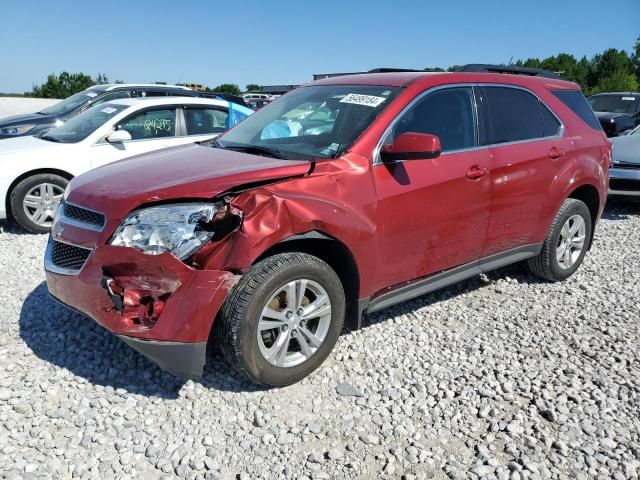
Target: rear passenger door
(526, 144)
(204, 122)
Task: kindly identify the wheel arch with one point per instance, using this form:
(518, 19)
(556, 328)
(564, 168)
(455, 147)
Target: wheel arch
(588, 194)
(333, 252)
(30, 173)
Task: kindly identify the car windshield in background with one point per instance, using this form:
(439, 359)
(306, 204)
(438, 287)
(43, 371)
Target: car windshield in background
(318, 121)
(613, 103)
(70, 103)
(81, 126)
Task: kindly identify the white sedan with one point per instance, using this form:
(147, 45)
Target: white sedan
(34, 171)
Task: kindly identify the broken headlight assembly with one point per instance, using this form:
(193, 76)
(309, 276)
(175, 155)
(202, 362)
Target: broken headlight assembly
(180, 229)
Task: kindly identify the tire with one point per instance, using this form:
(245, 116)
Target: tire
(50, 196)
(237, 325)
(547, 265)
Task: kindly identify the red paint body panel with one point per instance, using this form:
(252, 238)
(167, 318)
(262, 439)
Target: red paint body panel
(184, 172)
(400, 222)
(194, 296)
(430, 215)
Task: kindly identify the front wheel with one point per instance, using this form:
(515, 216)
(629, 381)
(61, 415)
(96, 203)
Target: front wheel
(566, 243)
(282, 319)
(35, 199)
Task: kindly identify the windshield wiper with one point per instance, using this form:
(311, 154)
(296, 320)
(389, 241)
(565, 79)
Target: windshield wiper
(50, 138)
(270, 152)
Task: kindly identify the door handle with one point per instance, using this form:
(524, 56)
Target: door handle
(476, 172)
(555, 153)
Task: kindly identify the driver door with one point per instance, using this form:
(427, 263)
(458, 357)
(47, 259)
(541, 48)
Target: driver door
(150, 129)
(433, 214)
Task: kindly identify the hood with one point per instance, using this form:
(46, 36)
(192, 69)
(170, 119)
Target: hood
(183, 172)
(28, 144)
(604, 116)
(36, 118)
(626, 149)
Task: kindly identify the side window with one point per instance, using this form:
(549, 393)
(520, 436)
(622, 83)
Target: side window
(152, 93)
(183, 93)
(514, 115)
(447, 113)
(550, 124)
(578, 104)
(110, 96)
(202, 121)
(151, 124)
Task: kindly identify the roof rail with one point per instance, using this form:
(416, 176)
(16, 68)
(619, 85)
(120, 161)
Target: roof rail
(480, 67)
(392, 70)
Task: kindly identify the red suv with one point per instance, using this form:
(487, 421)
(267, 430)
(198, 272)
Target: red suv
(341, 198)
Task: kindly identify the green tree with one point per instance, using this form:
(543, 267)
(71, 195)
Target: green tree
(635, 58)
(101, 79)
(609, 68)
(618, 81)
(253, 87)
(228, 88)
(63, 85)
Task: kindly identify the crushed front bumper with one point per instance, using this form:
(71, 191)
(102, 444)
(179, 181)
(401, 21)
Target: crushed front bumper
(624, 181)
(167, 308)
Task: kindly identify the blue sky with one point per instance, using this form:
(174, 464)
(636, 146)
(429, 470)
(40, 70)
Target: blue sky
(288, 41)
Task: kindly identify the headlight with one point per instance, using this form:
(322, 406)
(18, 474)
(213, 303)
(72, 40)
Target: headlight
(16, 129)
(180, 229)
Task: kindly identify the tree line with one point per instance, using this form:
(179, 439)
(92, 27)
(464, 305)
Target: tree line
(611, 70)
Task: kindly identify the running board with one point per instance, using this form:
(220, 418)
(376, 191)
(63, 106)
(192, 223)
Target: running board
(446, 278)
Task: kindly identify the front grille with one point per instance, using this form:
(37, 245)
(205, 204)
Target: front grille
(82, 215)
(68, 256)
(624, 185)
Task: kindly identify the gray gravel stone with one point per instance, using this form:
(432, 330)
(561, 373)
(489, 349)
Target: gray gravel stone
(347, 390)
(502, 377)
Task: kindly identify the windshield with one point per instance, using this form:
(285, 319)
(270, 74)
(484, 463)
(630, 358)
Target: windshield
(81, 126)
(316, 121)
(70, 103)
(613, 103)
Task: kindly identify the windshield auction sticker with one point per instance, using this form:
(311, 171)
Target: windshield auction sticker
(367, 100)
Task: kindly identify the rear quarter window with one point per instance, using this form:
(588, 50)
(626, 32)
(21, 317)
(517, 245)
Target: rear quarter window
(578, 104)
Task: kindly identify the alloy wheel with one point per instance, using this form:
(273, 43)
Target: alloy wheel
(294, 323)
(571, 242)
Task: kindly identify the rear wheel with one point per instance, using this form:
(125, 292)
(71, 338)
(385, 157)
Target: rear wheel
(35, 199)
(282, 319)
(566, 243)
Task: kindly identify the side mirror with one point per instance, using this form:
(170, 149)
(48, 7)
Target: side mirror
(119, 136)
(411, 146)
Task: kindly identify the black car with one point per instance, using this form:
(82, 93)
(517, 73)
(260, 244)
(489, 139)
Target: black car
(618, 112)
(40, 122)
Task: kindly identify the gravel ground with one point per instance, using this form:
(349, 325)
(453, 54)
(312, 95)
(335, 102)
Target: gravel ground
(502, 376)
(17, 105)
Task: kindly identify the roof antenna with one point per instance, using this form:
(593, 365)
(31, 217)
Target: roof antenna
(510, 61)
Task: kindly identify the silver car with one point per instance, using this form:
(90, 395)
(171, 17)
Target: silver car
(624, 177)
